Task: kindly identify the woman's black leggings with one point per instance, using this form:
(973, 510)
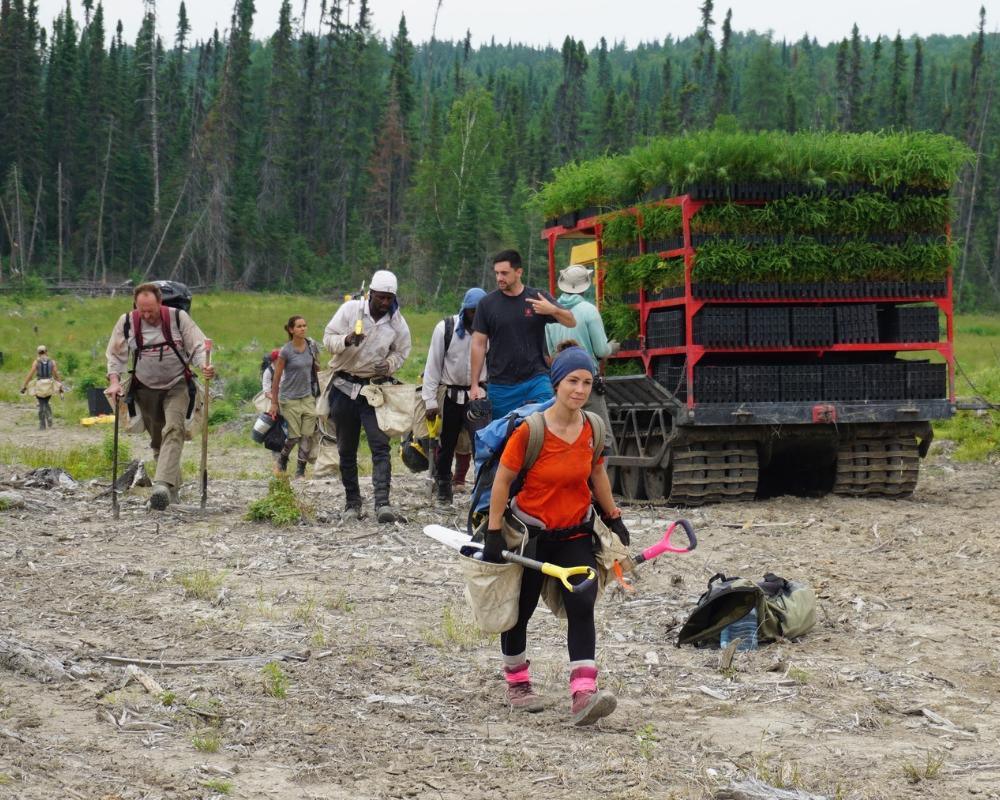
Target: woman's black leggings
(581, 638)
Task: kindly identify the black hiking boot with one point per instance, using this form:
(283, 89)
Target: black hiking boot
(386, 514)
(300, 469)
(160, 498)
(444, 492)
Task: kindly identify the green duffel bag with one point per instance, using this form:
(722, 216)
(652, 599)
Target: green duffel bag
(785, 609)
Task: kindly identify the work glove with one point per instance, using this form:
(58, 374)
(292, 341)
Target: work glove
(24, 389)
(494, 546)
(353, 339)
(431, 414)
(617, 525)
(381, 367)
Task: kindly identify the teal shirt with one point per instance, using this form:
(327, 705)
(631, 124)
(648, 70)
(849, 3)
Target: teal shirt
(588, 333)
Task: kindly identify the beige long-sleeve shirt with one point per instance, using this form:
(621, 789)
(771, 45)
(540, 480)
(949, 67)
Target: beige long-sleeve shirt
(158, 367)
(386, 339)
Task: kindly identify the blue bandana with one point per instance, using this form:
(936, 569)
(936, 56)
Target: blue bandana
(570, 360)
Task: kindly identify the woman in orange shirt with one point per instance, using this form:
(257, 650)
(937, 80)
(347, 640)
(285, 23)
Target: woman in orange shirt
(556, 494)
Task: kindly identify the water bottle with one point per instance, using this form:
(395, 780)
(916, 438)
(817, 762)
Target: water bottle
(745, 629)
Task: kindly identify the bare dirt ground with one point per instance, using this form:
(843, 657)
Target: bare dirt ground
(389, 693)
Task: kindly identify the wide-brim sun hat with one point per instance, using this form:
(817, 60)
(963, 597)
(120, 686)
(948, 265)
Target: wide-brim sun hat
(574, 279)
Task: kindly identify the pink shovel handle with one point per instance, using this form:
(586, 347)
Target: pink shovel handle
(664, 545)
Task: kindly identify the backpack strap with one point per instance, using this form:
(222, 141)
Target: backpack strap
(536, 438)
(169, 336)
(598, 432)
(314, 378)
(449, 332)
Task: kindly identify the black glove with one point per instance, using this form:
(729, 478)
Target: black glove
(24, 389)
(353, 339)
(617, 525)
(494, 546)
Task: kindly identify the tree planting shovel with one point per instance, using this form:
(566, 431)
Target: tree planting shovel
(114, 460)
(433, 445)
(666, 545)
(464, 544)
(204, 430)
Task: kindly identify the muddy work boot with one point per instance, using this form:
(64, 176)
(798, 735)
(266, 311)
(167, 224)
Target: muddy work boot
(300, 469)
(589, 702)
(161, 496)
(352, 513)
(520, 695)
(386, 514)
(443, 492)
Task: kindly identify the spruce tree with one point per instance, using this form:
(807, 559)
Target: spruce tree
(721, 98)
(899, 107)
(854, 83)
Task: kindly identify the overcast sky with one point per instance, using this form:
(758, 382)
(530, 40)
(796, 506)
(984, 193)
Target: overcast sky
(543, 22)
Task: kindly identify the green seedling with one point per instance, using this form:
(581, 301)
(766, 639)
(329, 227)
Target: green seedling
(209, 742)
(647, 741)
(201, 584)
(929, 771)
(275, 680)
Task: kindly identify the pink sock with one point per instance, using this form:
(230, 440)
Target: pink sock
(583, 679)
(518, 674)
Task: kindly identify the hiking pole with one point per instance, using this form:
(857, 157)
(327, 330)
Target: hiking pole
(114, 459)
(204, 429)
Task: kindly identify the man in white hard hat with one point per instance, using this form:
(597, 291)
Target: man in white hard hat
(369, 340)
(574, 281)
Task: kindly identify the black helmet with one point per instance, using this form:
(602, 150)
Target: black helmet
(479, 410)
(414, 454)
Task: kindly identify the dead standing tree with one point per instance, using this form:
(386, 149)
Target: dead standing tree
(154, 140)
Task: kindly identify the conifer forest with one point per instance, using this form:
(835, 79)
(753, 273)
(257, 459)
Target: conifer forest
(305, 160)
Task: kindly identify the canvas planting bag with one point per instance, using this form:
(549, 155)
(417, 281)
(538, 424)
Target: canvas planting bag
(492, 590)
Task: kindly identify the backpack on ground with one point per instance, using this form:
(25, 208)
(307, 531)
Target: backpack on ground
(491, 441)
(785, 609)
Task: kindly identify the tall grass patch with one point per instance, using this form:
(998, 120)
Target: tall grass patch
(82, 463)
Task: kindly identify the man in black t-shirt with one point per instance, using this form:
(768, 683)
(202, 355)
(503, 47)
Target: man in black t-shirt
(512, 320)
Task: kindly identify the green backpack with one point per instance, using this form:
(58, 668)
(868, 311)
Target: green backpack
(785, 609)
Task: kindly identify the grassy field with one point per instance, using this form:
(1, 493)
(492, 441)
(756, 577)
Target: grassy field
(245, 326)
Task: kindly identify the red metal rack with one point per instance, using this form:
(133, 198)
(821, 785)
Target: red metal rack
(591, 228)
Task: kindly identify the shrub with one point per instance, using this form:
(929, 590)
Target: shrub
(280, 507)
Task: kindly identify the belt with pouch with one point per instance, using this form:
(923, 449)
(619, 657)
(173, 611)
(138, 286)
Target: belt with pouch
(533, 527)
(347, 376)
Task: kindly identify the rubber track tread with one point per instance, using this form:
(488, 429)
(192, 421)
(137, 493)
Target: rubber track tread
(877, 467)
(714, 472)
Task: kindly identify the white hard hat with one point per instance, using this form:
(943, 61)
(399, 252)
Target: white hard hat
(383, 281)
